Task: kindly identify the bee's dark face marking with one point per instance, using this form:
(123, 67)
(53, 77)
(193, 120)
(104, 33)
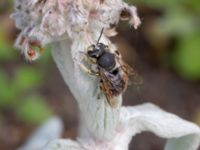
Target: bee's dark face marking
(96, 51)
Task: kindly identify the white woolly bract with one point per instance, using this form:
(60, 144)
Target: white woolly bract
(51, 20)
(181, 134)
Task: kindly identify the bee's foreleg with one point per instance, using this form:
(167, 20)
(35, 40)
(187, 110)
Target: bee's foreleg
(88, 71)
(85, 57)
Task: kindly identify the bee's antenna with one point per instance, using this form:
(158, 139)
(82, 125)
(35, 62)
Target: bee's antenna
(100, 35)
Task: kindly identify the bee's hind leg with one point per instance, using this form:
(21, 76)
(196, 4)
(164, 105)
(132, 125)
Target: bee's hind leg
(99, 90)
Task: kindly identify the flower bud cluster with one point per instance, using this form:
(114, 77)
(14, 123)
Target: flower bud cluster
(45, 21)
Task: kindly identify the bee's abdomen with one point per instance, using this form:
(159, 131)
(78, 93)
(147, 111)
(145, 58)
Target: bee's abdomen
(118, 88)
(118, 84)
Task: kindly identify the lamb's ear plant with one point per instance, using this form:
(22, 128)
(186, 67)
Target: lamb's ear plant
(71, 26)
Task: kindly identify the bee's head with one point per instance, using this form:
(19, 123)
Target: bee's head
(95, 51)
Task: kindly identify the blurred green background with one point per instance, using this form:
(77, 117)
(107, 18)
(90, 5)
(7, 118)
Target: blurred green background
(165, 51)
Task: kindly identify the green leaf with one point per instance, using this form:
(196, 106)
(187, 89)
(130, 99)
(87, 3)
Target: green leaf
(6, 48)
(177, 22)
(192, 5)
(158, 3)
(45, 58)
(33, 110)
(8, 94)
(3, 87)
(26, 78)
(187, 57)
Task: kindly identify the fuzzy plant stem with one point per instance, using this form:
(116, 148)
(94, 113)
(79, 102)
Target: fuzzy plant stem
(98, 119)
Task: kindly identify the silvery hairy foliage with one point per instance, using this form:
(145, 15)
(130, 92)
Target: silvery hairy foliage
(46, 21)
(71, 26)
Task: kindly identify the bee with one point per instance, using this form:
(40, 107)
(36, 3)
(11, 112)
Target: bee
(113, 72)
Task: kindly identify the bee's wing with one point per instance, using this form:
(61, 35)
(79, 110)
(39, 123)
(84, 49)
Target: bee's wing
(110, 80)
(134, 77)
(108, 86)
(112, 100)
(134, 80)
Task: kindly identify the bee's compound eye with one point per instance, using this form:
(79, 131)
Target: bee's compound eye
(107, 61)
(91, 54)
(95, 53)
(91, 47)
